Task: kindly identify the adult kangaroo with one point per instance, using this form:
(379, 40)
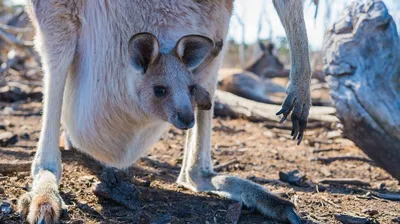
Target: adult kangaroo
(95, 79)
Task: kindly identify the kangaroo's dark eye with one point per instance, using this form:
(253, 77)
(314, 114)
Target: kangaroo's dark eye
(160, 91)
(192, 89)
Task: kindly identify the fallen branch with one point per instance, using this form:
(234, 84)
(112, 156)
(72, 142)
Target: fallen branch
(342, 158)
(347, 219)
(387, 196)
(326, 150)
(354, 182)
(15, 167)
(15, 30)
(11, 39)
(219, 168)
(230, 105)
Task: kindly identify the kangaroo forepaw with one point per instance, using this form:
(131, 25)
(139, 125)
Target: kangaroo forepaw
(43, 205)
(297, 102)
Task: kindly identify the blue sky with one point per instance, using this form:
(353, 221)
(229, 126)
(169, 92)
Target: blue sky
(249, 11)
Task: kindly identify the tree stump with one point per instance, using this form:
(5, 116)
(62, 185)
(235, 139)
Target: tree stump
(362, 61)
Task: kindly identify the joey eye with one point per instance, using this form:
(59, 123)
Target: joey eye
(192, 88)
(160, 91)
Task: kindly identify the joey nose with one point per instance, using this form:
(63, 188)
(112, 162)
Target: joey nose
(186, 118)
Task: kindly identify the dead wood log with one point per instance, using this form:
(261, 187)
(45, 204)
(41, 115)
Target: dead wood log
(229, 105)
(13, 167)
(362, 61)
(387, 196)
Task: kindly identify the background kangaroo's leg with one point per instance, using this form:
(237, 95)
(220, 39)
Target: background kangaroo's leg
(197, 173)
(56, 42)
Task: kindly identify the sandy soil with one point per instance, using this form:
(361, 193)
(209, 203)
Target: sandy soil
(262, 153)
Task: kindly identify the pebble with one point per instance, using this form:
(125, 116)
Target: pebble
(5, 207)
(8, 138)
(370, 212)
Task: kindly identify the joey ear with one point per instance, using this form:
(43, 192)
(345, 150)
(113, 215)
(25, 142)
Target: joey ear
(193, 49)
(202, 98)
(143, 50)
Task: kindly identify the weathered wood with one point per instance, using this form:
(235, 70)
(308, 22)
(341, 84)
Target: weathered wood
(14, 167)
(354, 182)
(362, 61)
(347, 219)
(229, 105)
(342, 158)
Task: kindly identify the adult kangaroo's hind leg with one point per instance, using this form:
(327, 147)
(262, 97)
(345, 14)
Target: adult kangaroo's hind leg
(197, 173)
(56, 35)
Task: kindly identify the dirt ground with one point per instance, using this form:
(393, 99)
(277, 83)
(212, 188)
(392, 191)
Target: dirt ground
(262, 153)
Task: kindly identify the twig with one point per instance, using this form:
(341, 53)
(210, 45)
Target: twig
(387, 196)
(326, 150)
(11, 39)
(346, 219)
(15, 30)
(15, 166)
(354, 182)
(343, 158)
(225, 165)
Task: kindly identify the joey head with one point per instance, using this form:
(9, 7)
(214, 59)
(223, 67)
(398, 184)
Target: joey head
(168, 88)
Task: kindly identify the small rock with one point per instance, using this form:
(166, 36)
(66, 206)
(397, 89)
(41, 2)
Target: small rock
(325, 170)
(396, 220)
(6, 207)
(8, 138)
(8, 110)
(370, 212)
(25, 136)
(1, 190)
(293, 177)
(8, 123)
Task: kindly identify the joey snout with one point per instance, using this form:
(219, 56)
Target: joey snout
(183, 118)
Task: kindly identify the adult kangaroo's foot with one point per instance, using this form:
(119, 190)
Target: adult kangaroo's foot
(44, 203)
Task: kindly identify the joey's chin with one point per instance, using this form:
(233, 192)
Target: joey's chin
(181, 125)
